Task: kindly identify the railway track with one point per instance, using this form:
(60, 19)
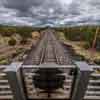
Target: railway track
(49, 49)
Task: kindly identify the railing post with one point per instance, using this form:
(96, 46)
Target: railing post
(13, 75)
(82, 80)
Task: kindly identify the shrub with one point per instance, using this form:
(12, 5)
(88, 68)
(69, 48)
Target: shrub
(97, 61)
(23, 41)
(12, 42)
(4, 61)
(87, 46)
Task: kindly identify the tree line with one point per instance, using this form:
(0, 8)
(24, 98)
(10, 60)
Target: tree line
(90, 34)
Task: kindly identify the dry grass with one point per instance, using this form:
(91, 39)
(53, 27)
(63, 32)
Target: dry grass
(79, 48)
(88, 54)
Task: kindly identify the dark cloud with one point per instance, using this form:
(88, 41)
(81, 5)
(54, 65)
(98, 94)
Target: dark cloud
(47, 12)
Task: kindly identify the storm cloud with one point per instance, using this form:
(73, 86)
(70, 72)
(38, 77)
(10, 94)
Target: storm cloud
(47, 12)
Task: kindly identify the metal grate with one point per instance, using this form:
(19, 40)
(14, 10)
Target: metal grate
(93, 89)
(5, 90)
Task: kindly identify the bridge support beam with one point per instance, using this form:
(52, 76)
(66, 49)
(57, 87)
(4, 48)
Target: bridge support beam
(13, 75)
(82, 79)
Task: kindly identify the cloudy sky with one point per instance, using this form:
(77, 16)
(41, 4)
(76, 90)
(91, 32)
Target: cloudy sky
(49, 12)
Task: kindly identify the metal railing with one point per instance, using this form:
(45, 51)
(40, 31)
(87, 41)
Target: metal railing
(5, 89)
(93, 88)
(82, 82)
(33, 93)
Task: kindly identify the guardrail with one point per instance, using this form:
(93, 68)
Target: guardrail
(82, 82)
(87, 85)
(5, 89)
(93, 88)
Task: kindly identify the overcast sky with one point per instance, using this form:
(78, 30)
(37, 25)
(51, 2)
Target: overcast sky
(49, 12)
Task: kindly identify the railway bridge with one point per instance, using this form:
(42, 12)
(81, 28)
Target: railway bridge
(49, 73)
